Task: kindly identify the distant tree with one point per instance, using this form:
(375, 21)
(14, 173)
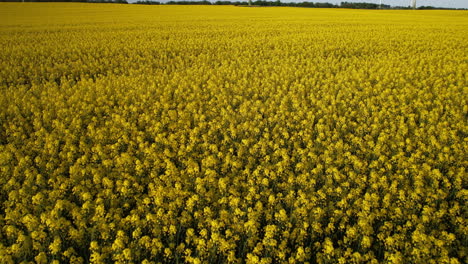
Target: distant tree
(359, 5)
(188, 3)
(147, 3)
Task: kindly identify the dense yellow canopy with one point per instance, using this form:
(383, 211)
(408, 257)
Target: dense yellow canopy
(206, 134)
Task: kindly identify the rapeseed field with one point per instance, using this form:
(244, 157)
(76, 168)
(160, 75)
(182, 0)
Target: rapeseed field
(209, 134)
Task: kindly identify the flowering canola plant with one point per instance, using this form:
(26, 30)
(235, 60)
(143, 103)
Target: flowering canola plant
(207, 134)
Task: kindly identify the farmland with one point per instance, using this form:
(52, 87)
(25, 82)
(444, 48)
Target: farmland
(222, 134)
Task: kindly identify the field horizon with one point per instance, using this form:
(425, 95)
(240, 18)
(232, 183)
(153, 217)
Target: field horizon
(220, 134)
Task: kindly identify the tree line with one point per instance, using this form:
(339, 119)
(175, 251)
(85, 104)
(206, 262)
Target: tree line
(70, 1)
(361, 5)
